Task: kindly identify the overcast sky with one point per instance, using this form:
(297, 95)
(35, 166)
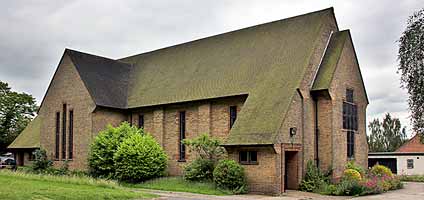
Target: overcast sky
(34, 35)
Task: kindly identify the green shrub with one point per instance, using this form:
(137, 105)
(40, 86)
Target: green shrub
(139, 158)
(380, 170)
(206, 147)
(395, 183)
(41, 162)
(199, 170)
(314, 178)
(351, 174)
(228, 174)
(106, 143)
(349, 187)
(412, 178)
(326, 189)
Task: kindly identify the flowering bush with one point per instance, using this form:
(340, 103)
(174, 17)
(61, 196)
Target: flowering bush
(353, 165)
(379, 184)
(351, 174)
(356, 182)
(380, 170)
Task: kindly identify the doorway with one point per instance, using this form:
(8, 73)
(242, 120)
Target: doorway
(20, 159)
(291, 170)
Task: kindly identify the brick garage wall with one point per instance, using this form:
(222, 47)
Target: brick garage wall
(67, 87)
(347, 75)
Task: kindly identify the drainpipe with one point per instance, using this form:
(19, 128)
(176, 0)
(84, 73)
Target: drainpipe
(302, 116)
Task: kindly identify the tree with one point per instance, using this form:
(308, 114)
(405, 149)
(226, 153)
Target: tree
(411, 67)
(16, 111)
(387, 135)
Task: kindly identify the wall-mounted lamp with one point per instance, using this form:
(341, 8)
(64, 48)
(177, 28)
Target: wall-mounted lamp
(293, 131)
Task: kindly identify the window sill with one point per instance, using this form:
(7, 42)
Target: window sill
(252, 163)
(181, 160)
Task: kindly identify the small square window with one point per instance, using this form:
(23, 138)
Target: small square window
(243, 156)
(253, 157)
(248, 157)
(410, 163)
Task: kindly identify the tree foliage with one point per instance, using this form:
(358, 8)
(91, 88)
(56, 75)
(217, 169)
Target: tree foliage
(387, 135)
(411, 67)
(16, 111)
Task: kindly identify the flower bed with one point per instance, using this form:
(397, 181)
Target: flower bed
(354, 182)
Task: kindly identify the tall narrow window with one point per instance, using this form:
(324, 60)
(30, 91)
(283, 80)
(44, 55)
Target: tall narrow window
(141, 121)
(64, 132)
(350, 116)
(350, 122)
(233, 115)
(182, 122)
(350, 144)
(349, 95)
(71, 135)
(57, 140)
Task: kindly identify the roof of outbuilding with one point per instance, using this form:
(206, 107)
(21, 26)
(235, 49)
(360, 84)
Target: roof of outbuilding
(106, 79)
(412, 145)
(30, 137)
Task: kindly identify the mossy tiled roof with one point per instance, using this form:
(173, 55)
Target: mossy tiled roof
(29, 137)
(329, 61)
(267, 62)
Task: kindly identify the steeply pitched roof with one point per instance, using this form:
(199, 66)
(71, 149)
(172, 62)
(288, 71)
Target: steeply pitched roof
(329, 61)
(29, 137)
(267, 62)
(106, 79)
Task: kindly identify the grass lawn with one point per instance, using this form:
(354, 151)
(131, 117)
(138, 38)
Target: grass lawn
(180, 185)
(412, 178)
(16, 185)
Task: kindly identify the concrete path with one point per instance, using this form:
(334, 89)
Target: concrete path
(411, 191)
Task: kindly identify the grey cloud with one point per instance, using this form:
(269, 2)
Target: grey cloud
(35, 33)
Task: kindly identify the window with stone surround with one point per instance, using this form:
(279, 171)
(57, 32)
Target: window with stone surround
(57, 136)
(248, 157)
(233, 115)
(182, 126)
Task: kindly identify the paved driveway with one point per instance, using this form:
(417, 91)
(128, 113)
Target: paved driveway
(411, 191)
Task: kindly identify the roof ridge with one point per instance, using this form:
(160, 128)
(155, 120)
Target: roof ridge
(94, 55)
(330, 9)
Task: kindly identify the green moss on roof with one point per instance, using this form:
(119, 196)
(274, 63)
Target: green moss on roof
(29, 137)
(329, 62)
(267, 62)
